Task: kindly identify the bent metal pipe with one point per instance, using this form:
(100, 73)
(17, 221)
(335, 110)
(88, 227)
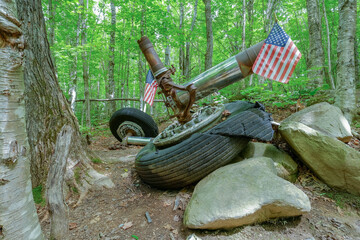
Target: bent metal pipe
(181, 98)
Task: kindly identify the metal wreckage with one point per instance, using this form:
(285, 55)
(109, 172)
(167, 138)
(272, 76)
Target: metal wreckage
(199, 141)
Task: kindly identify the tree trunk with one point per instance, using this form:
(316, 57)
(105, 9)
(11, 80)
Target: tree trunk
(332, 84)
(181, 42)
(59, 213)
(345, 87)
(73, 71)
(209, 35)
(168, 48)
(84, 56)
(243, 25)
(112, 58)
(18, 218)
(47, 109)
(187, 71)
(315, 58)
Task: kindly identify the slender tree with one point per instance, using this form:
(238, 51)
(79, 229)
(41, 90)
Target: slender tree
(18, 218)
(345, 87)
(209, 35)
(168, 48)
(181, 43)
(112, 58)
(187, 44)
(332, 83)
(315, 58)
(84, 56)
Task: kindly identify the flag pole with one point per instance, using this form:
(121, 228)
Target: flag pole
(276, 20)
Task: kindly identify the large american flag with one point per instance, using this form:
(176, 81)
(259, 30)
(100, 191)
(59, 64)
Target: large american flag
(150, 88)
(278, 56)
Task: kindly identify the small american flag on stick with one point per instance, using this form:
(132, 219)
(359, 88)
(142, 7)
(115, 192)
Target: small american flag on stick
(278, 56)
(150, 88)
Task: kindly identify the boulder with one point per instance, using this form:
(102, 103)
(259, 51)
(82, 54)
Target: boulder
(286, 167)
(243, 193)
(335, 163)
(325, 118)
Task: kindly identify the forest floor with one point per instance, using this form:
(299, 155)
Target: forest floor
(120, 213)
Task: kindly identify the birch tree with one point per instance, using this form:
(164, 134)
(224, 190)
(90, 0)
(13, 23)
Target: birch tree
(345, 88)
(18, 218)
(315, 58)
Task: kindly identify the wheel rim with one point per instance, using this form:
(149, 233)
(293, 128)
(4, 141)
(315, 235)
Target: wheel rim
(204, 119)
(129, 128)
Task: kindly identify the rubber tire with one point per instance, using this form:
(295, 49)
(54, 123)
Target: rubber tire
(187, 162)
(145, 121)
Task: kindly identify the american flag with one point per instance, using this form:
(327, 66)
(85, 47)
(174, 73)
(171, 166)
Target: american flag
(278, 56)
(150, 88)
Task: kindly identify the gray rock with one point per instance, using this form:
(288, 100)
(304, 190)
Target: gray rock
(243, 193)
(331, 160)
(286, 167)
(324, 118)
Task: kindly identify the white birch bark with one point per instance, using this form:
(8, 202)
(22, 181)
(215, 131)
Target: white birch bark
(345, 87)
(112, 58)
(18, 217)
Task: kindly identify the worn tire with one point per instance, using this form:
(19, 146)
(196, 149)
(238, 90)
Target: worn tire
(141, 119)
(187, 162)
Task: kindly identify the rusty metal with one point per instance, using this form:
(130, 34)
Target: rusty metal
(165, 82)
(181, 98)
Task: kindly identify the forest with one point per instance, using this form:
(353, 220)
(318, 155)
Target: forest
(102, 37)
(68, 67)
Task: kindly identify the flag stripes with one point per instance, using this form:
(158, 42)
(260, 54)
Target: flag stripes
(278, 56)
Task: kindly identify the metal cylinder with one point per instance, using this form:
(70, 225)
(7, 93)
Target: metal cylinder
(134, 140)
(147, 48)
(222, 75)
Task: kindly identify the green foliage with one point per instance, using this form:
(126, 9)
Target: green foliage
(162, 28)
(96, 160)
(38, 195)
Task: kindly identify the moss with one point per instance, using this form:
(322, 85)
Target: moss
(96, 160)
(38, 195)
(75, 190)
(77, 175)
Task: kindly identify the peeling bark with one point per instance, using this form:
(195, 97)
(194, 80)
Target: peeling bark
(18, 218)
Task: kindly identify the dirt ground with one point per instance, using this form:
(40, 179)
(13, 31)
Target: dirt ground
(134, 210)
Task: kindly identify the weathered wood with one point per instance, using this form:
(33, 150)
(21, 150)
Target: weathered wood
(55, 198)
